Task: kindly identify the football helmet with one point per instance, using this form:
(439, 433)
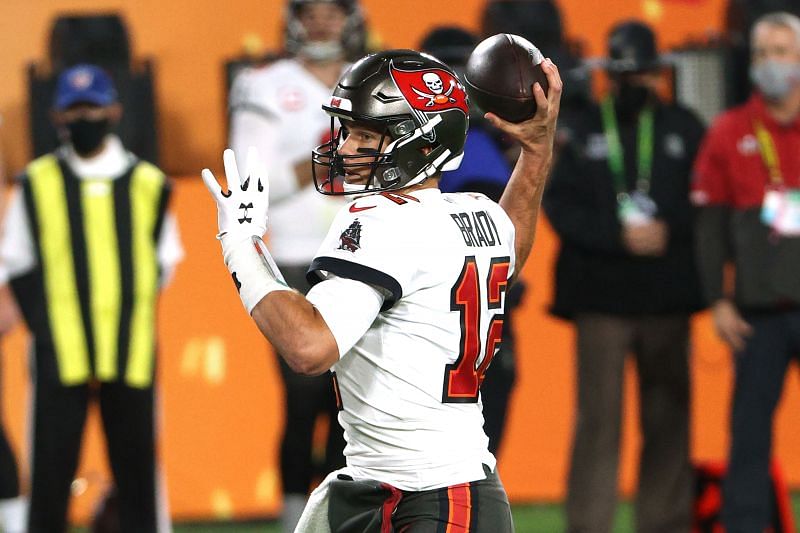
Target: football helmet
(418, 105)
(350, 46)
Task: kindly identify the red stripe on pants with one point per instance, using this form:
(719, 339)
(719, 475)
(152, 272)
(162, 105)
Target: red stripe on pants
(389, 505)
(460, 508)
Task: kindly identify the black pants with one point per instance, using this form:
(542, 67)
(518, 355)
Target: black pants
(664, 496)
(760, 371)
(9, 477)
(477, 507)
(59, 417)
(306, 398)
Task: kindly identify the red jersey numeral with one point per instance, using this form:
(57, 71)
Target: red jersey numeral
(463, 378)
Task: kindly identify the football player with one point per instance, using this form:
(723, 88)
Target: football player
(408, 296)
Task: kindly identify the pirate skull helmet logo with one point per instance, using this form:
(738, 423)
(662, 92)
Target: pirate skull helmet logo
(435, 85)
(433, 82)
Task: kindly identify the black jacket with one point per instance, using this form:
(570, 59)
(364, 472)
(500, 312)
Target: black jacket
(594, 272)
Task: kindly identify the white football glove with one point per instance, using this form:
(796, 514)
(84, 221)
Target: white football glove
(242, 221)
(242, 211)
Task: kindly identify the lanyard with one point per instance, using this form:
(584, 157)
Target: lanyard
(766, 146)
(616, 157)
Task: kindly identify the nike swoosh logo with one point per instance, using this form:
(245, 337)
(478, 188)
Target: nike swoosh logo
(356, 209)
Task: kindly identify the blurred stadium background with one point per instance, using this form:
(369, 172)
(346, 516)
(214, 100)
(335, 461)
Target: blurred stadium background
(219, 419)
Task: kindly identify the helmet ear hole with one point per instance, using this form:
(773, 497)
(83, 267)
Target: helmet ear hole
(391, 176)
(403, 128)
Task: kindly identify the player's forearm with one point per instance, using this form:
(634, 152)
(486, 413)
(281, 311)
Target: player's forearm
(297, 331)
(286, 318)
(522, 199)
(523, 195)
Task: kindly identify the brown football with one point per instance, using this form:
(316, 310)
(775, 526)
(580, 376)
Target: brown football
(500, 74)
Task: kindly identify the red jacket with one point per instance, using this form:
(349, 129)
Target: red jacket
(729, 169)
(729, 181)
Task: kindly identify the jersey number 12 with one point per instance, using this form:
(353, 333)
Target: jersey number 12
(463, 378)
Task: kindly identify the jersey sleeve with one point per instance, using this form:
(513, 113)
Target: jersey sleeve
(348, 307)
(248, 94)
(375, 246)
(17, 247)
(710, 176)
(170, 248)
(254, 122)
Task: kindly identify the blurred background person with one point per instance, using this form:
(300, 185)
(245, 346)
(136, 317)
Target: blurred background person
(740, 17)
(625, 276)
(277, 109)
(747, 188)
(12, 504)
(485, 170)
(86, 245)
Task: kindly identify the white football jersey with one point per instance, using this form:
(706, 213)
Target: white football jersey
(278, 109)
(409, 388)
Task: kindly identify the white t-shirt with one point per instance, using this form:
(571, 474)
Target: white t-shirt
(409, 386)
(278, 110)
(17, 246)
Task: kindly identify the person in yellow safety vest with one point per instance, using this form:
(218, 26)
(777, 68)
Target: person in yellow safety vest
(87, 242)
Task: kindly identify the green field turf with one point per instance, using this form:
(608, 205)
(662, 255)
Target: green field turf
(543, 518)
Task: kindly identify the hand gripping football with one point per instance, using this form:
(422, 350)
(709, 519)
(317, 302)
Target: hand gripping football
(500, 75)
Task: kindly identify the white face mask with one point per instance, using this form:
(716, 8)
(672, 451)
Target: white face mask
(322, 50)
(775, 79)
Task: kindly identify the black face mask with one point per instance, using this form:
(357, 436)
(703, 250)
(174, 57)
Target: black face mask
(87, 135)
(632, 98)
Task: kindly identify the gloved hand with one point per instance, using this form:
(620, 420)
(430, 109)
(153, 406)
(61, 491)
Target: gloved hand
(242, 221)
(242, 211)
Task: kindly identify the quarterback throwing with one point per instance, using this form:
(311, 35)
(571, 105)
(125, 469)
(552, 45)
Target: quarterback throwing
(408, 296)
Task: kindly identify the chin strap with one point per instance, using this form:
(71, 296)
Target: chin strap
(254, 272)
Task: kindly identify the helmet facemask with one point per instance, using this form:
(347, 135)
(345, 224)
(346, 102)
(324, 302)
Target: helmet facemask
(330, 167)
(405, 156)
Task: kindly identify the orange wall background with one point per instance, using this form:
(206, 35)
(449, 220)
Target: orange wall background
(220, 392)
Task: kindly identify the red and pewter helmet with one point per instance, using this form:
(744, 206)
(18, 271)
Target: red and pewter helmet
(415, 101)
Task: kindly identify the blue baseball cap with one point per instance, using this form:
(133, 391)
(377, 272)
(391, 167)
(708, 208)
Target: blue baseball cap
(87, 84)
